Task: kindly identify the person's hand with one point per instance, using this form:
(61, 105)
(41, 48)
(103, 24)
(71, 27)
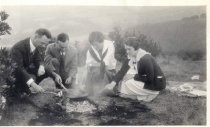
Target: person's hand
(128, 76)
(68, 80)
(58, 79)
(37, 88)
(41, 70)
(111, 85)
(116, 88)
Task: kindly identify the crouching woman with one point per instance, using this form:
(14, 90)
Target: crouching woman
(140, 77)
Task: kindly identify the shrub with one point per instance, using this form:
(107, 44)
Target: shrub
(116, 36)
(7, 67)
(193, 55)
(145, 43)
(4, 26)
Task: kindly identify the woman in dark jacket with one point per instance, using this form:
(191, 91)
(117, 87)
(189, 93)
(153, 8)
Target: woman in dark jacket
(143, 77)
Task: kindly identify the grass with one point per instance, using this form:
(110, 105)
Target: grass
(176, 69)
(167, 109)
(171, 109)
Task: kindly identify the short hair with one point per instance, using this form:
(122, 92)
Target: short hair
(62, 37)
(43, 32)
(96, 36)
(133, 42)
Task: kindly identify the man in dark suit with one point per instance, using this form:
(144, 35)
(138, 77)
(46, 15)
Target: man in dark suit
(61, 58)
(28, 56)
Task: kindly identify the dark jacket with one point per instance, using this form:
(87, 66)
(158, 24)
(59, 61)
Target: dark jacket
(27, 63)
(150, 73)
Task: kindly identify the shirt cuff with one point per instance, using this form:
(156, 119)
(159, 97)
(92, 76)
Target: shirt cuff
(41, 66)
(29, 81)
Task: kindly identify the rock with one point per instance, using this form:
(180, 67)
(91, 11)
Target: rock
(190, 89)
(195, 77)
(47, 98)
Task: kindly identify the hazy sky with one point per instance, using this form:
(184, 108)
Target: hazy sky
(79, 21)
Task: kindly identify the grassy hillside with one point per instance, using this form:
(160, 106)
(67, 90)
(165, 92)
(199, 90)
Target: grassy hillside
(174, 36)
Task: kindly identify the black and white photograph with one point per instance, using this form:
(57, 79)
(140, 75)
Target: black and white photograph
(103, 65)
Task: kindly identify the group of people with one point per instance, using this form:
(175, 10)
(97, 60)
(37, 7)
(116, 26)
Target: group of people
(139, 77)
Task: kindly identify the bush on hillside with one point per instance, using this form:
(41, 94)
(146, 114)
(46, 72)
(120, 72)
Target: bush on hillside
(193, 55)
(116, 36)
(4, 26)
(7, 66)
(148, 44)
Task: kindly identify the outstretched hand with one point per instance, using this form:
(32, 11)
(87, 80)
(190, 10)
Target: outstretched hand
(68, 80)
(58, 79)
(37, 88)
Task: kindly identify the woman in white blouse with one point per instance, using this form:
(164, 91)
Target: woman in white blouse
(100, 62)
(140, 77)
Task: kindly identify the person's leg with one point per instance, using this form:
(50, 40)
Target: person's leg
(20, 85)
(21, 88)
(58, 86)
(56, 66)
(40, 78)
(89, 85)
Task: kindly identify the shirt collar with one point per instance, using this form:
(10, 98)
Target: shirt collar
(106, 45)
(32, 47)
(141, 53)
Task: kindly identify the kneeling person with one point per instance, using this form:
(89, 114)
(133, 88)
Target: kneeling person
(61, 59)
(27, 55)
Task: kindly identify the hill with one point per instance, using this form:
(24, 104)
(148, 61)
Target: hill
(187, 34)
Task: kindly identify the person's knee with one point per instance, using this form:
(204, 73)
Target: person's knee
(55, 62)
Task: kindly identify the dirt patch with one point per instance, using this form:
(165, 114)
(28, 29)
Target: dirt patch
(167, 109)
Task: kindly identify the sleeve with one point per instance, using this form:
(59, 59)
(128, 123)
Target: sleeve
(146, 71)
(48, 56)
(122, 72)
(48, 61)
(29, 81)
(39, 56)
(20, 70)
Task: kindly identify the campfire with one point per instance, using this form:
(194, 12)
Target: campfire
(80, 106)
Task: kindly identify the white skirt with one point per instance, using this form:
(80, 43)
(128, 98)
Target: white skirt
(135, 90)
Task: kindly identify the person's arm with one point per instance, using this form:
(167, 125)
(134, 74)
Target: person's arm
(49, 68)
(18, 58)
(48, 56)
(119, 77)
(39, 56)
(20, 70)
(122, 72)
(146, 71)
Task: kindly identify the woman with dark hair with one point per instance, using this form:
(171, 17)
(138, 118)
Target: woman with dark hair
(100, 62)
(143, 77)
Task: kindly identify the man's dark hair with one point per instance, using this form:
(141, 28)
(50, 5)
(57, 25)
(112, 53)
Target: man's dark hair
(96, 36)
(62, 37)
(44, 32)
(133, 42)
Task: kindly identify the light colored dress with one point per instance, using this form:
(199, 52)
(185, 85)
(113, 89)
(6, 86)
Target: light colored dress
(94, 81)
(135, 89)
